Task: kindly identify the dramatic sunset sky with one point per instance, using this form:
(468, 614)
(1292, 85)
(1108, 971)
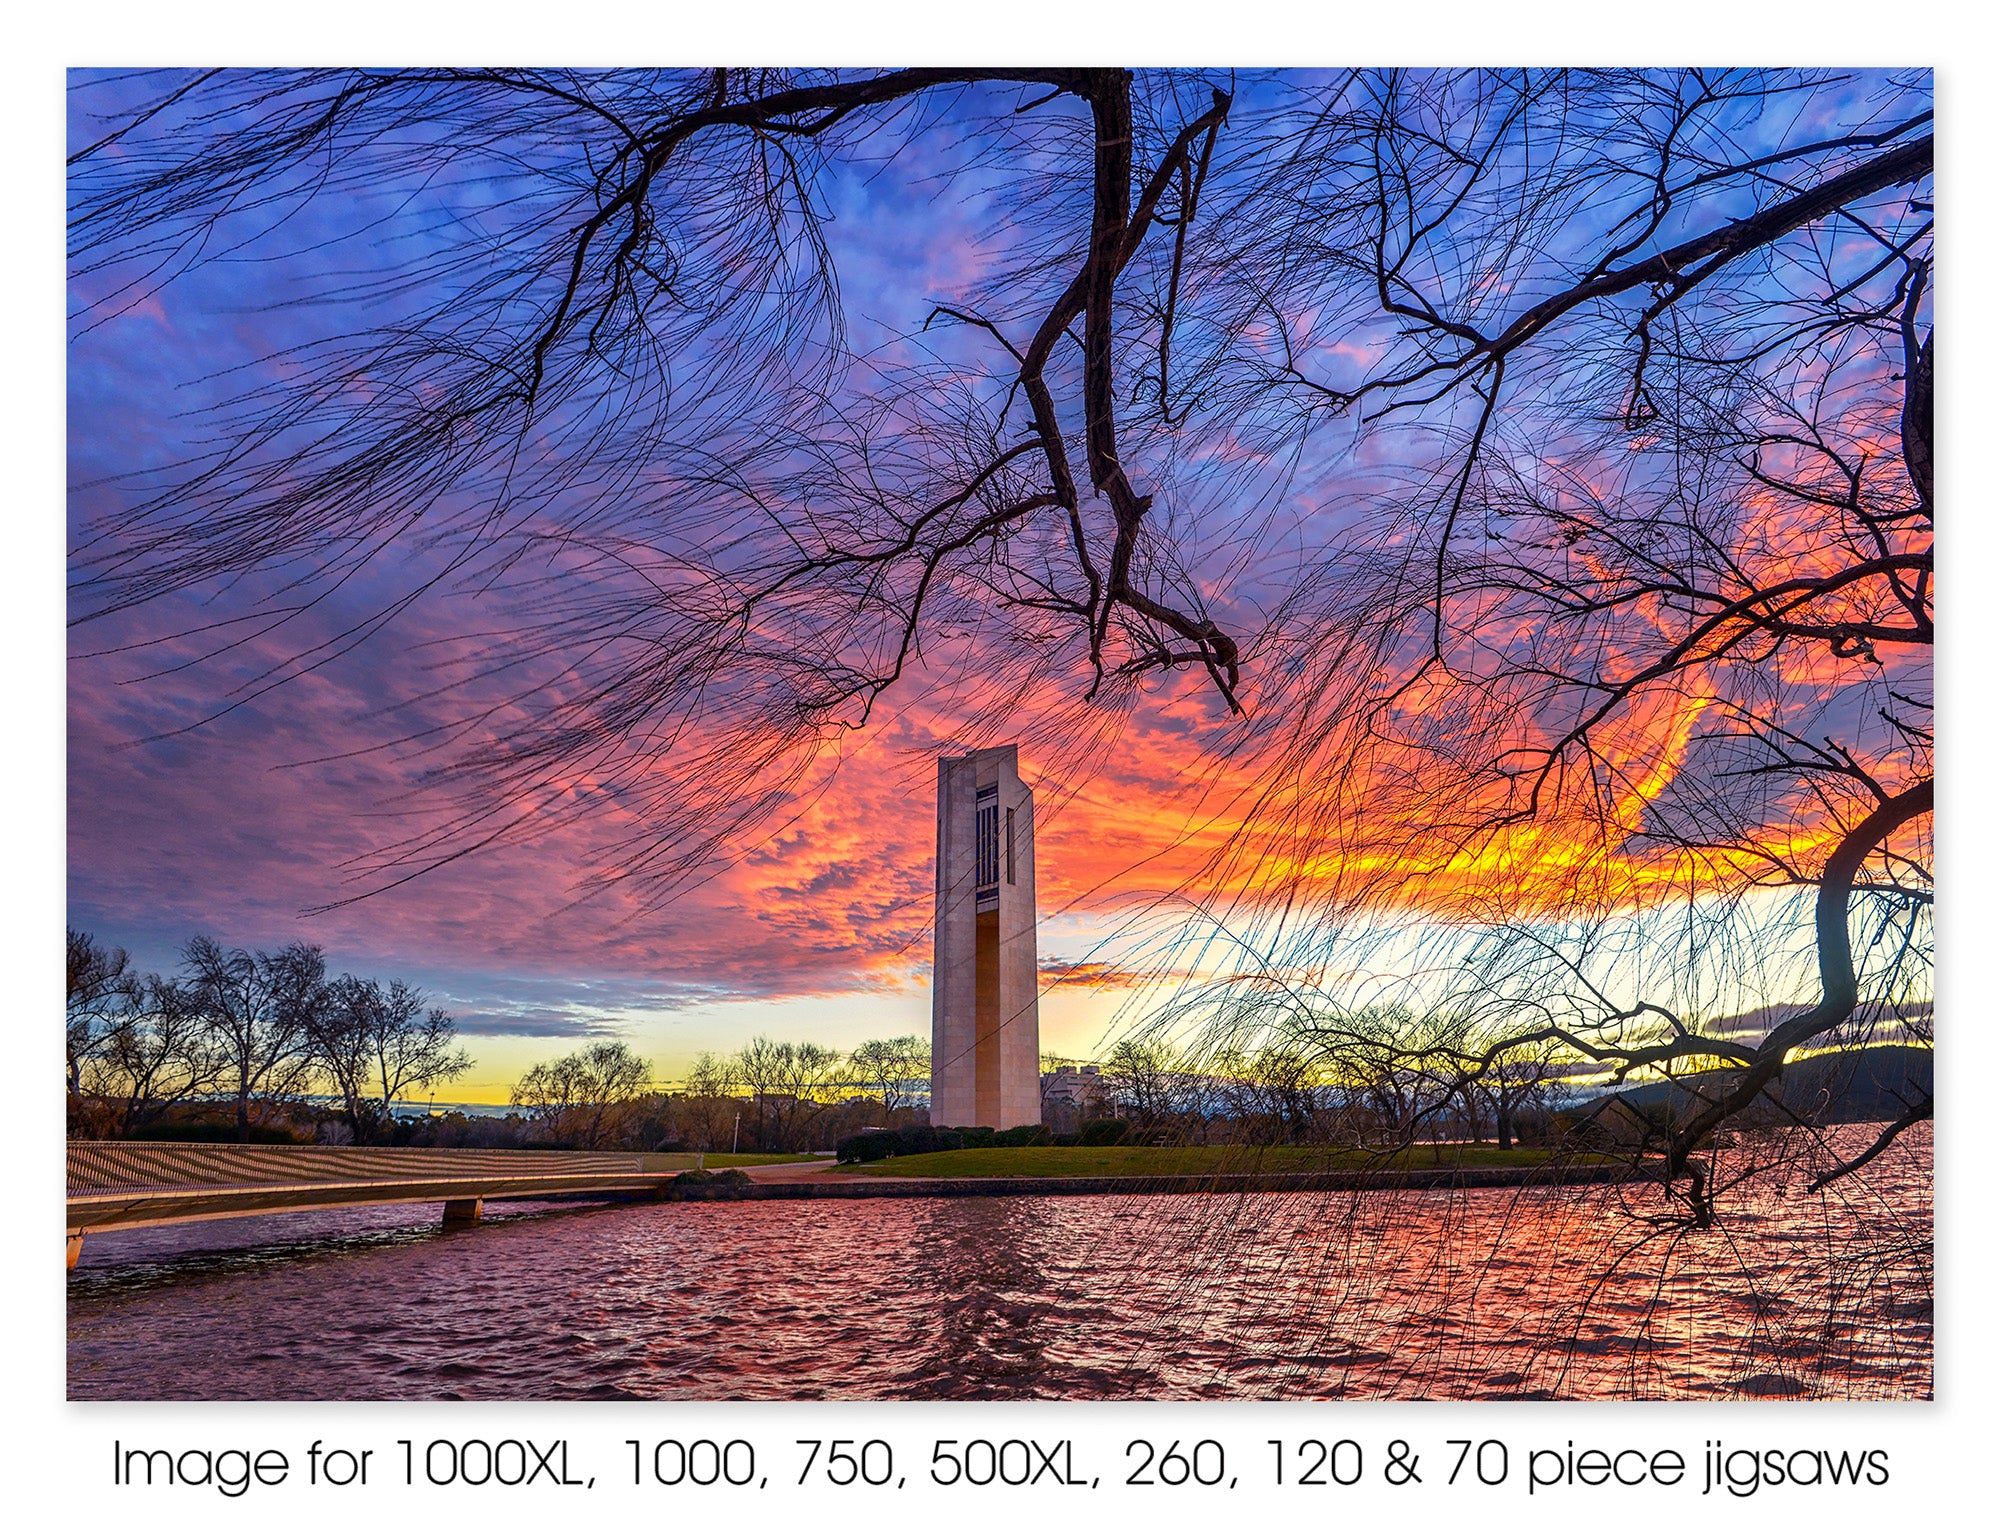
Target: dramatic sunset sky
(185, 822)
(234, 827)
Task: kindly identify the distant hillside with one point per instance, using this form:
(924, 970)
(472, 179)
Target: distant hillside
(1872, 1084)
(1754, 1025)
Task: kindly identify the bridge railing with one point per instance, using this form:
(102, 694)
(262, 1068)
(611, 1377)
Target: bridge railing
(95, 1168)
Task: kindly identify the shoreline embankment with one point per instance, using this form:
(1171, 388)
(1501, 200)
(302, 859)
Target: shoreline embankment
(844, 1187)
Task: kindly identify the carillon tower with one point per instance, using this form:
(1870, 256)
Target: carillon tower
(985, 1026)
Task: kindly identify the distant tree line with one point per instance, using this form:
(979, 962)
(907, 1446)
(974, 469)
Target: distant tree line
(1378, 1076)
(768, 1096)
(262, 1045)
(1390, 1076)
(268, 1046)
(235, 1043)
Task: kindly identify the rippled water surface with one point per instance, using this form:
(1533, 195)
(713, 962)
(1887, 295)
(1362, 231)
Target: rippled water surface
(1583, 1292)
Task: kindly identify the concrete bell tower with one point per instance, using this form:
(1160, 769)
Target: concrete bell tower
(985, 1025)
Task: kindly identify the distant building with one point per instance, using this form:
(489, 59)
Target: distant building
(1073, 1086)
(1072, 1096)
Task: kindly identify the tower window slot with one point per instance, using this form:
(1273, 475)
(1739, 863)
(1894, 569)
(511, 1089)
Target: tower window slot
(986, 838)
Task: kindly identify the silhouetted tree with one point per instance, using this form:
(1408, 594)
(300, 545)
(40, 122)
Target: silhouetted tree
(587, 1098)
(1276, 1093)
(702, 1113)
(896, 1068)
(375, 1042)
(259, 1010)
(1520, 1080)
(101, 989)
(1143, 1080)
(789, 1084)
(158, 1052)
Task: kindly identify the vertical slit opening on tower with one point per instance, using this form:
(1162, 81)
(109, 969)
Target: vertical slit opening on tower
(986, 839)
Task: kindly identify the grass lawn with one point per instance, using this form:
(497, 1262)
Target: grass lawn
(985, 1163)
(659, 1163)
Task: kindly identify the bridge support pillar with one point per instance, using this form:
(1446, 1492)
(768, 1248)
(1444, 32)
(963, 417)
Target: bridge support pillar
(462, 1214)
(75, 1242)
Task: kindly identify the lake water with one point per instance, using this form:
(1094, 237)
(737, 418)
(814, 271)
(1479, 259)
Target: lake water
(1583, 1292)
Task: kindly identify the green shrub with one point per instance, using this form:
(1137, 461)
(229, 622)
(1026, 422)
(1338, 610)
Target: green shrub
(1103, 1132)
(706, 1185)
(864, 1147)
(868, 1147)
(1021, 1137)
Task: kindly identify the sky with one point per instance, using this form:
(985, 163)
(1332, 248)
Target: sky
(182, 822)
(201, 802)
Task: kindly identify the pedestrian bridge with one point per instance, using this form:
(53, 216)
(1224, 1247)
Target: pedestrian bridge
(140, 1185)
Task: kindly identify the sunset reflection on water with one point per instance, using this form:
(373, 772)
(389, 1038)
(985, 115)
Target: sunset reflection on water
(1578, 1293)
